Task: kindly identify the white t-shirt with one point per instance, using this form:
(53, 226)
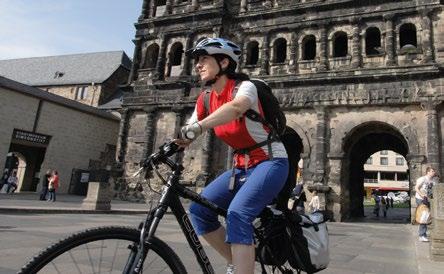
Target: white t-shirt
(423, 184)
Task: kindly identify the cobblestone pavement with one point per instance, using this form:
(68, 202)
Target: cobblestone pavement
(370, 245)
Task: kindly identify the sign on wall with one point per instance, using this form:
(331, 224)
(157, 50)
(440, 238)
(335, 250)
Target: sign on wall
(22, 135)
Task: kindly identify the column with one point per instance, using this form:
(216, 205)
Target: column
(136, 59)
(426, 24)
(121, 139)
(161, 59)
(265, 56)
(194, 5)
(187, 61)
(389, 40)
(432, 143)
(320, 144)
(322, 66)
(241, 44)
(415, 171)
(180, 117)
(293, 64)
(150, 128)
(356, 44)
(152, 8)
(338, 199)
(145, 9)
(243, 6)
(168, 7)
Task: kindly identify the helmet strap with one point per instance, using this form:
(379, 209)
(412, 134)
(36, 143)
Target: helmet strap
(217, 76)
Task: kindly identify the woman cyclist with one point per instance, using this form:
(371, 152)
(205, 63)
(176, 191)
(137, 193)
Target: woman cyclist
(257, 176)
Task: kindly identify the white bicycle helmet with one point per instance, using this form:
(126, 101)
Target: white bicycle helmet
(210, 46)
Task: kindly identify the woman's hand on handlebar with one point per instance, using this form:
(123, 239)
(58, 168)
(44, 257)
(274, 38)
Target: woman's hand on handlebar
(183, 143)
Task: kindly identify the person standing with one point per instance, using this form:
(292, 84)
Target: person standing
(53, 186)
(4, 180)
(377, 203)
(314, 203)
(297, 199)
(422, 185)
(12, 182)
(45, 184)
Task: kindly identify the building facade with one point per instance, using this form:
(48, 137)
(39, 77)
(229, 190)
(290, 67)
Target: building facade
(41, 131)
(92, 79)
(386, 171)
(353, 77)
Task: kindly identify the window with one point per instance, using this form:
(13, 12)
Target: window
(176, 54)
(383, 152)
(399, 161)
(403, 176)
(383, 161)
(371, 177)
(340, 44)
(309, 48)
(369, 161)
(389, 176)
(151, 56)
(81, 93)
(373, 41)
(407, 36)
(280, 50)
(252, 53)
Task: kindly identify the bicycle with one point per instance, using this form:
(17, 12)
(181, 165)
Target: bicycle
(117, 249)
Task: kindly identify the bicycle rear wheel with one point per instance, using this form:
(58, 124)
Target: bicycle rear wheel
(102, 250)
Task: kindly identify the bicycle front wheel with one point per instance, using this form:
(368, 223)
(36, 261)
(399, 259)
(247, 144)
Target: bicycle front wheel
(102, 250)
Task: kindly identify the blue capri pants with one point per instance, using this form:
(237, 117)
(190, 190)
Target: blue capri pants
(262, 184)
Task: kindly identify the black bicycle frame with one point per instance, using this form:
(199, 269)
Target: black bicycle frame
(170, 198)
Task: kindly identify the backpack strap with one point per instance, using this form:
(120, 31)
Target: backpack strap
(255, 116)
(206, 101)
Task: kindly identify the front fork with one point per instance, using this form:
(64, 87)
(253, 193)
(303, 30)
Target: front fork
(147, 229)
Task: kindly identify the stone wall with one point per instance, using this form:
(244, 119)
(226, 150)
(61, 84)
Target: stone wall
(332, 102)
(92, 98)
(76, 136)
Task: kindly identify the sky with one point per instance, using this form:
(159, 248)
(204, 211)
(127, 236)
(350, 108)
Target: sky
(32, 28)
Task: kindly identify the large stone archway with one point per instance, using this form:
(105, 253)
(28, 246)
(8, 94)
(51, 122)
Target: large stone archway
(359, 144)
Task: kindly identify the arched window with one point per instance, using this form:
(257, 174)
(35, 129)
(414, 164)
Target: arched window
(252, 53)
(373, 41)
(407, 35)
(176, 54)
(280, 50)
(309, 47)
(340, 44)
(151, 56)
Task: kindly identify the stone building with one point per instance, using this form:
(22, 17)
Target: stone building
(354, 78)
(40, 130)
(89, 78)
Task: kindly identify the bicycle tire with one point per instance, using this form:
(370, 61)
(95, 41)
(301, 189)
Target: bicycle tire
(51, 254)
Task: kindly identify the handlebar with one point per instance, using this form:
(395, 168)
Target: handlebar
(166, 150)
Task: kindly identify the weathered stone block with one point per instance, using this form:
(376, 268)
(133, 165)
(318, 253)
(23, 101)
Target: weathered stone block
(98, 197)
